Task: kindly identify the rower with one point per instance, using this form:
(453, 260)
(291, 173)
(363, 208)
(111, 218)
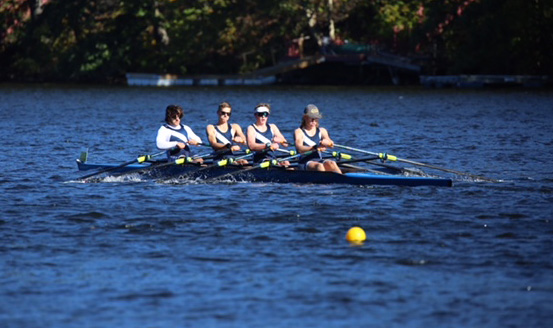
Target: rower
(265, 138)
(310, 136)
(225, 137)
(173, 134)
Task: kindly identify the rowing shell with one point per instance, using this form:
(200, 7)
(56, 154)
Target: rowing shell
(271, 174)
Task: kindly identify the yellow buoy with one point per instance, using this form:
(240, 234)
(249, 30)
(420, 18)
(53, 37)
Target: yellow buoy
(356, 235)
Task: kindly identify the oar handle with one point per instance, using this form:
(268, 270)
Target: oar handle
(341, 155)
(278, 160)
(144, 158)
(230, 160)
(286, 151)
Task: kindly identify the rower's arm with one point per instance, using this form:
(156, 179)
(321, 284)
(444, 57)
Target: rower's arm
(212, 137)
(325, 139)
(239, 137)
(163, 139)
(251, 140)
(193, 138)
(279, 138)
(298, 142)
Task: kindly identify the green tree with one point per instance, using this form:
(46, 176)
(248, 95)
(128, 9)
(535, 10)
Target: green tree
(101, 40)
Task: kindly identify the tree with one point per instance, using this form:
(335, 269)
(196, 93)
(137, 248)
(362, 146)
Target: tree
(44, 40)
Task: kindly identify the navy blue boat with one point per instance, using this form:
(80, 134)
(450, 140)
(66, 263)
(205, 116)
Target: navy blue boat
(272, 174)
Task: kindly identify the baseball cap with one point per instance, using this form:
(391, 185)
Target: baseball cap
(312, 111)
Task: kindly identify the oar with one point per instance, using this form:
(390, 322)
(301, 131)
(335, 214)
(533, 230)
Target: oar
(385, 156)
(355, 160)
(231, 160)
(261, 165)
(220, 163)
(188, 160)
(293, 154)
(180, 161)
(369, 160)
(286, 151)
(140, 159)
(223, 162)
(347, 159)
(173, 150)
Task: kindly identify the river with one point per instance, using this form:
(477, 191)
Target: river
(147, 254)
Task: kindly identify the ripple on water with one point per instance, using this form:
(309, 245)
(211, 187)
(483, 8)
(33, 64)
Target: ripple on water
(87, 217)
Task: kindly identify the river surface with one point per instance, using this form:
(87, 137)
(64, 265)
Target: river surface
(147, 254)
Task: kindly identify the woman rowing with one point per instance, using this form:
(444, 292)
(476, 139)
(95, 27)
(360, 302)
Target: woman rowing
(264, 138)
(225, 137)
(173, 134)
(310, 137)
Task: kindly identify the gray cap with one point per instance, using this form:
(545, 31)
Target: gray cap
(312, 111)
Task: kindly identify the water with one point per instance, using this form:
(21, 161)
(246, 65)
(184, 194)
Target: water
(145, 254)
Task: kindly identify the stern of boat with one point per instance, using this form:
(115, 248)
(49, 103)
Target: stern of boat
(81, 161)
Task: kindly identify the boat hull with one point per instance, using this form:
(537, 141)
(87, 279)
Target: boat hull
(272, 174)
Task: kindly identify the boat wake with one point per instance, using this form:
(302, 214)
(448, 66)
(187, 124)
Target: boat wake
(124, 178)
(416, 172)
(199, 180)
(112, 179)
(180, 180)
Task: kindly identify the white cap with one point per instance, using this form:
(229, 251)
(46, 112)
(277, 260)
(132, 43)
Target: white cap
(262, 109)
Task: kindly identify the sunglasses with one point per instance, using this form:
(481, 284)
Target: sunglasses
(225, 113)
(264, 114)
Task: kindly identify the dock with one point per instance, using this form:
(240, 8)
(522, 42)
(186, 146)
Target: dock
(341, 68)
(273, 74)
(480, 81)
(167, 80)
(262, 76)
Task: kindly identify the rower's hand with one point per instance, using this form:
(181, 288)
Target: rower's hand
(281, 141)
(319, 148)
(181, 145)
(235, 148)
(274, 146)
(238, 139)
(327, 143)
